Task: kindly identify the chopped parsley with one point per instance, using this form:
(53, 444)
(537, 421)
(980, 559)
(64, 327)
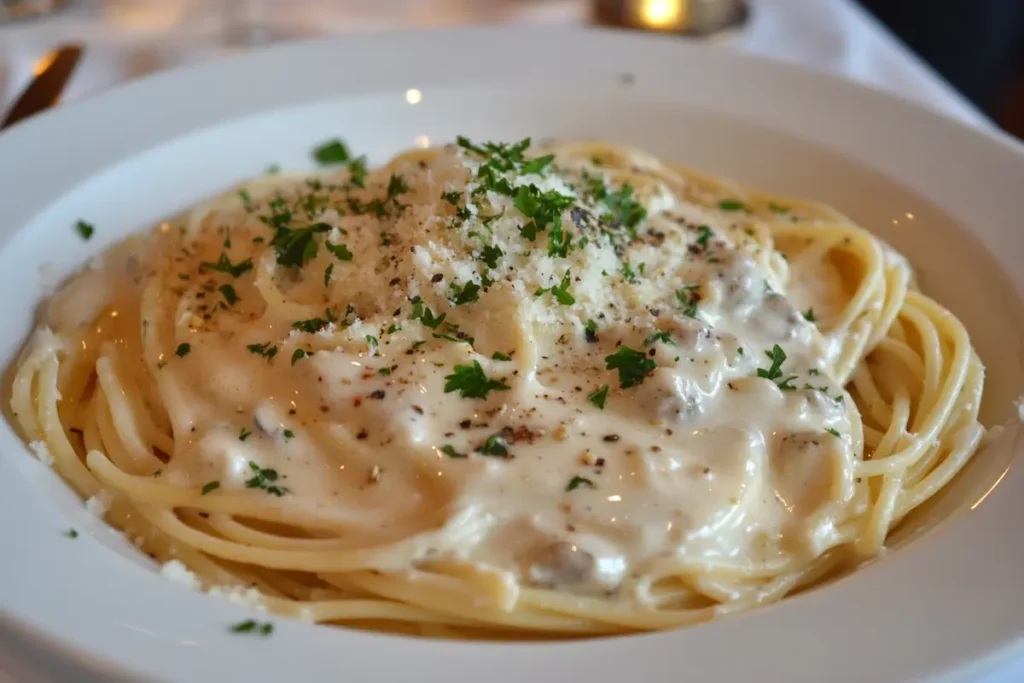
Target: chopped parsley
(211, 486)
(688, 297)
(538, 165)
(254, 627)
(490, 256)
(263, 478)
(452, 197)
(543, 208)
(465, 294)
(599, 397)
(661, 336)
(182, 350)
(774, 372)
(633, 366)
(332, 152)
(372, 341)
(732, 205)
(266, 350)
(224, 265)
(577, 482)
(809, 315)
(327, 273)
(71, 533)
(498, 355)
(244, 434)
(297, 247)
(84, 230)
(471, 382)
(628, 273)
(425, 315)
(450, 451)
(298, 355)
(340, 251)
(560, 291)
(287, 434)
(357, 171)
(777, 208)
(833, 432)
(314, 324)
(624, 209)
(705, 234)
(494, 445)
(590, 331)
(229, 294)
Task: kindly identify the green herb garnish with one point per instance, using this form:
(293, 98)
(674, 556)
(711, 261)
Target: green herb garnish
(498, 355)
(450, 451)
(331, 152)
(224, 265)
(252, 626)
(264, 478)
(577, 482)
(85, 230)
(560, 291)
(471, 382)
(633, 366)
(778, 357)
(265, 350)
(661, 336)
(229, 294)
(211, 486)
(688, 297)
(182, 350)
(298, 355)
(732, 205)
(599, 397)
(494, 445)
(465, 294)
(809, 315)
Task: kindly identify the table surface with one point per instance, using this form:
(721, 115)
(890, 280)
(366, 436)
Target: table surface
(130, 38)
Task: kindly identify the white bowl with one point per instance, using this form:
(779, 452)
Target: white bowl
(946, 605)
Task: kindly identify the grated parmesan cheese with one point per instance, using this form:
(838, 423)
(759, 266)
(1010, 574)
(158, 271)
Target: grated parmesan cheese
(246, 597)
(180, 574)
(99, 504)
(42, 452)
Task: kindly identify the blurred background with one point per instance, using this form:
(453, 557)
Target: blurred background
(963, 56)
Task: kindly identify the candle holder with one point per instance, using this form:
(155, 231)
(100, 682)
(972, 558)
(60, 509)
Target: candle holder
(689, 17)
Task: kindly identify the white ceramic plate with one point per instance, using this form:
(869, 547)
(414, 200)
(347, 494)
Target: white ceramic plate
(943, 606)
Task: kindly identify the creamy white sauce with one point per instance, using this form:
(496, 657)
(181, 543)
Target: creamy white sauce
(701, 460)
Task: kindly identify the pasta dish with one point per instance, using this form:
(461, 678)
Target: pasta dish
(501, 391)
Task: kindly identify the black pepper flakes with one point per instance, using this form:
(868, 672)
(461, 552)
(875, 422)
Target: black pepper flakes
(437, 277)
(362, 434)
(378, 394)
(611, 438)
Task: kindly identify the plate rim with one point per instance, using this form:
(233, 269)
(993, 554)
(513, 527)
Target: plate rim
(56, 126)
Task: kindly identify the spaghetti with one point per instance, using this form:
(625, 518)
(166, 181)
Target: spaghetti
(495, 391)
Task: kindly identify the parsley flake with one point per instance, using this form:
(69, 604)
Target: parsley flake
(263, 478)
(229, 294)
(834, 432)
(450, 451)
(471, 382)
(211, 486)
(182, 350)
(494, 445)
(599, 397)
(498, 355)
(732, 205)
(85, 230)
(577, 482)
(224, 265)
(266, 350)
(809, 315)
(331, 152)
(465, 294)
(778, 357)
(633, 366)
(254, 627)
(298, 355)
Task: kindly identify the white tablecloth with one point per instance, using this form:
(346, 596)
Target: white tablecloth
(128, 38)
